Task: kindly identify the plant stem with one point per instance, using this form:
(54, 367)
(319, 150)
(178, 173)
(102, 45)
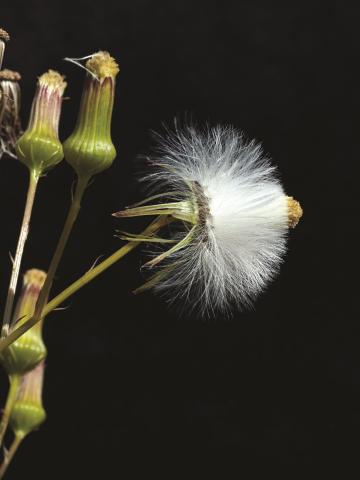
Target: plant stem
(33, 182)
(9, 455)
(14, 384)
(81, 282)
(68, 226)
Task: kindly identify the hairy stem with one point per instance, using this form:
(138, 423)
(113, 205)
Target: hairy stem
(33, 182)
(81, 282)
(14, 384)
(9, 455)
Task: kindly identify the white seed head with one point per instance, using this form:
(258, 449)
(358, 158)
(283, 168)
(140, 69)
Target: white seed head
(236, 243)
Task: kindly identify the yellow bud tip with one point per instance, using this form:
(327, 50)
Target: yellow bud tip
(102, 65)
(34, 277)
(53, 80)
(10, 75)
(4, 36)
(295, 212)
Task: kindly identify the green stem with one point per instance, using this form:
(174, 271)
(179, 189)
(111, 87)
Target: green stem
(14, 384)
(81, 282)
(24, 230)
(68, 226)
(9, 455)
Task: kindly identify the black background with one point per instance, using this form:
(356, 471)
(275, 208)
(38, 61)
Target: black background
(129, 383)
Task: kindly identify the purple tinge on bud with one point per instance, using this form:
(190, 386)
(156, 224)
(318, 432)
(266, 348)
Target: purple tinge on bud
(28, 412)
(46, 107)
(33, 282)
(39, 148)
(30, 388)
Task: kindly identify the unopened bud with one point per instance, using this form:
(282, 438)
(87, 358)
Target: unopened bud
(39, 148)
(29, 349)
(10, 125)
(28, 412)
(89, 149)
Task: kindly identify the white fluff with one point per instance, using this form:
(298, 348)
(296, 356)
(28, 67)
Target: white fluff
(238, 249)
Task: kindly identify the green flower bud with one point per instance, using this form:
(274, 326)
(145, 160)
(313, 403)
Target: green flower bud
(28, 412)
(10, 125)
(89, 149)
(29, 349)
(39, 147)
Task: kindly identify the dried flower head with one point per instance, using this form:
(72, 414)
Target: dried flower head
(4, 37)
(10, 125)
(232, 218)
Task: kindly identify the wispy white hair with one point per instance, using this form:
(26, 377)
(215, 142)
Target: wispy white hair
(239, 238)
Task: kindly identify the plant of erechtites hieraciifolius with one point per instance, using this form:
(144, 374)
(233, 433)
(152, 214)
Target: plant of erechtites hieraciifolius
(219, 226)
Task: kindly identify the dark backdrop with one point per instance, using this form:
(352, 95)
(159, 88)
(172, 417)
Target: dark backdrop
(130, 384)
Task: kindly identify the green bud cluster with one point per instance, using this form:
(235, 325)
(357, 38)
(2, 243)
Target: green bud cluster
(39, 148)
(89, 149)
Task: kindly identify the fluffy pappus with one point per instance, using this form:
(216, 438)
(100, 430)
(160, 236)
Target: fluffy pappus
(234, 217)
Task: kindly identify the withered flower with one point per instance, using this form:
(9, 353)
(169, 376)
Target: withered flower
(10, 123)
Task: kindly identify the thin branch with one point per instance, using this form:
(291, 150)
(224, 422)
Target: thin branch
(9, 455)
(24, 230)
(12, 394)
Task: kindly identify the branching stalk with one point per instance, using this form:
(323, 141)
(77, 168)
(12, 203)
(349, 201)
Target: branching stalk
(81, 282)
(68, 226)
